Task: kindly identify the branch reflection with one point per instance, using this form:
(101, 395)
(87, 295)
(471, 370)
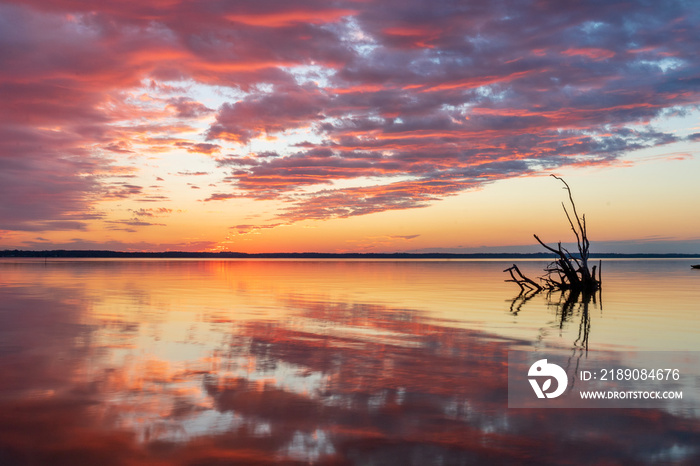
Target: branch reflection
(569, 305)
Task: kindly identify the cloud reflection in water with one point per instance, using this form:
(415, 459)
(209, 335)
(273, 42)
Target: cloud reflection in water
(334, 382)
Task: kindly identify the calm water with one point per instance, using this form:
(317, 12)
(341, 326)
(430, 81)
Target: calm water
(328, 362)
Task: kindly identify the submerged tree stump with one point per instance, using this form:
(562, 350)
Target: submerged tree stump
(568, 271)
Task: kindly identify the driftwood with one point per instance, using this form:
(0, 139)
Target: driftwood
(526, 285)
(568, 271)
(567, 277)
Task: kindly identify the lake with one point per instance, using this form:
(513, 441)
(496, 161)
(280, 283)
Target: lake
(322, 362)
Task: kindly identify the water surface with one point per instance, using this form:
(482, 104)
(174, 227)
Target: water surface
(330, 362)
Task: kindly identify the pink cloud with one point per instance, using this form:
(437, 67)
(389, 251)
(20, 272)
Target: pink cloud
(446, 96)
(288, 107)
(274, 19)
(589, 52)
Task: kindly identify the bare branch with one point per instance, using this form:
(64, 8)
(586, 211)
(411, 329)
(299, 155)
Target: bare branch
(571, 199)
(523, 281)
(568, 271)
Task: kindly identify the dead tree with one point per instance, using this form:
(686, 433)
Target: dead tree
(568, 271)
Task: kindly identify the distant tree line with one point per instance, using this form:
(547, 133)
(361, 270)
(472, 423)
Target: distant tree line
(312, 255)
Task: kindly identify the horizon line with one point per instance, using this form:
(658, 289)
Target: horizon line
(99, 253)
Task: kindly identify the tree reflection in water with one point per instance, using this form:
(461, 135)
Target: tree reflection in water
(568, 305)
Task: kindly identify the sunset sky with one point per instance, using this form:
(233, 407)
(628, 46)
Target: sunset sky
(349, 125)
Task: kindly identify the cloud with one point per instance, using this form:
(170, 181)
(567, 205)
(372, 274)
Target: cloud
(247, 229)
(343, 203)
(188, 108)
(284, 108)
(120, 190)
(417, 105)
(204, 148)
(290, 17)
(406, 237)
(153, 198)
(191, 173)
(413, 101)
(40, 187)
(130, 225)
(157, 212)
(590, 52)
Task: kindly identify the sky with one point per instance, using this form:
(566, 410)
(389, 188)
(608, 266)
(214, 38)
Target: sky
(350, 125)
